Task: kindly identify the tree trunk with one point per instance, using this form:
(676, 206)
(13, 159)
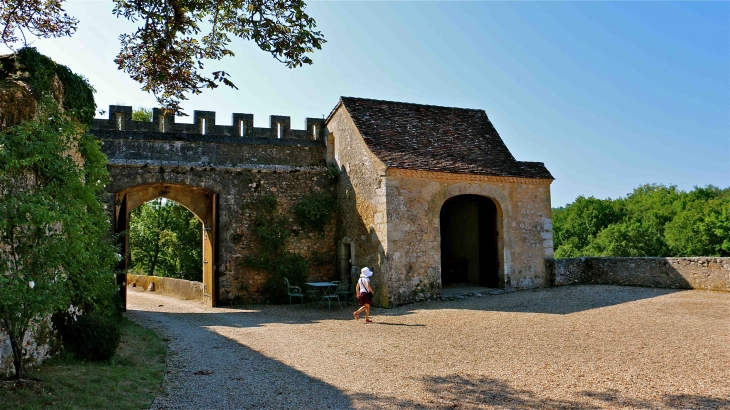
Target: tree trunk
(17, 347)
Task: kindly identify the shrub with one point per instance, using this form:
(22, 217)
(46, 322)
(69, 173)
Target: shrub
(94, 338)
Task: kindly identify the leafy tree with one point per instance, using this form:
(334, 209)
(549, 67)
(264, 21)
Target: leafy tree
(578, 223)
(142, 114)
(653, 220)
(702, 227)
(54, 244)
(165, 240)
(166, 52)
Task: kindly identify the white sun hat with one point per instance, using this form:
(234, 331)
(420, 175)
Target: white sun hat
(366, 272)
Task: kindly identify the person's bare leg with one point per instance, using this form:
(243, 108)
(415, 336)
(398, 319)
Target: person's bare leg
(356, 314)
(367, 314)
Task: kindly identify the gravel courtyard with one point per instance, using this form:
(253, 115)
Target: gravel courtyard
(576, 347)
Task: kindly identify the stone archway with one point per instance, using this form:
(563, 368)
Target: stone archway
(201, 202)
(470, 244)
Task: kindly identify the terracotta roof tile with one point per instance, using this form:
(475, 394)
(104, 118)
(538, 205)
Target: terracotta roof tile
(432, 138)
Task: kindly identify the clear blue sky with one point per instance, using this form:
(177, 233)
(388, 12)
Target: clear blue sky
(609, 95)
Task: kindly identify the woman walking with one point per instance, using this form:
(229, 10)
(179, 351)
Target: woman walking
(364, 294)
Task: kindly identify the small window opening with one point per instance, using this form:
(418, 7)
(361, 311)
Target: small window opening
(278, 130)
(162, 123)
(120, 121)
(202, 126)
(314, 132)
(242, 126)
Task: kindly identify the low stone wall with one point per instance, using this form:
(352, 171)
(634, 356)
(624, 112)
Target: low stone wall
(679, 273)
(179, 288)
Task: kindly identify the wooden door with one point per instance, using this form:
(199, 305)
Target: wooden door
(121, 226)
(209, 256)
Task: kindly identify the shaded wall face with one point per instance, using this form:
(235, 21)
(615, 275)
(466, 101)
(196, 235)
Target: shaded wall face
(413, 244)
(361, 203)
(678, 273)
(235, 242)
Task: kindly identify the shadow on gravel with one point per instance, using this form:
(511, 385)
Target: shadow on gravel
(229, 375)
(461, 392)
(557, 301)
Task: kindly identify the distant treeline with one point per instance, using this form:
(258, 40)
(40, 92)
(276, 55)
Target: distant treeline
(654, 220)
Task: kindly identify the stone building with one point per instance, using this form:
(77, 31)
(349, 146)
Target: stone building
(430, 197)
(426, 196)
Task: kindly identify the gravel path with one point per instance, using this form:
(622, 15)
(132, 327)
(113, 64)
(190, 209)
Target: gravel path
(577, 347)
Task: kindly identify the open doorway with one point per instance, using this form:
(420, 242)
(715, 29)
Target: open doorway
(469, 242)
(165, 240)
(199, 202)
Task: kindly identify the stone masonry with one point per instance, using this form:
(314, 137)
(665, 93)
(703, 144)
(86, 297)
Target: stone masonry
(239, 165)
(390, 213)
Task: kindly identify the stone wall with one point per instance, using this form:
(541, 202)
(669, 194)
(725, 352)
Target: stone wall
(679, 273)
(179, 288)
(361, 204)
(286, 164)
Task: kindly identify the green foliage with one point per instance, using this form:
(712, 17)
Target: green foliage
(315, 210)
(654, 220)
(576, 225)
(165, 240)
(167, 53)
(41, 70)
(55, 248)
(78, 95)
(702, 227)
(128, 381)
(287, 265)
(142, 114)
(271, 231)
(93, 338)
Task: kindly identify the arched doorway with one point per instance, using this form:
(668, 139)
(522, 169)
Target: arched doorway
(201, 202)
(469, 242)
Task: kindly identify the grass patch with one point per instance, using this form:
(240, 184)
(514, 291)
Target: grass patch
(129, 380)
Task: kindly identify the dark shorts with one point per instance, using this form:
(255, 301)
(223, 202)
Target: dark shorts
(364, 299)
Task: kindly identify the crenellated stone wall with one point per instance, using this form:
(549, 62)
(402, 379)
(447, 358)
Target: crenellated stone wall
(709, 273)
(286, 164)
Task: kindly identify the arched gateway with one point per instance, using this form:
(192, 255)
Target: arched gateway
(201, 202)
(469, 242)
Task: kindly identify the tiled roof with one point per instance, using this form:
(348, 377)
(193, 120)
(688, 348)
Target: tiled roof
(432, 138)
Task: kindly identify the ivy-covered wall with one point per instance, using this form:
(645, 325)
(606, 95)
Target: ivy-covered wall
(52, 177)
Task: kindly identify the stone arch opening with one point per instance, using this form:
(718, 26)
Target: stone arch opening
(201, 202)
(470, 242)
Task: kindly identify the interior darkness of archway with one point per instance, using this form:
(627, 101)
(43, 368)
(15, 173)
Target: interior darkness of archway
(469, 241)
(165, 239)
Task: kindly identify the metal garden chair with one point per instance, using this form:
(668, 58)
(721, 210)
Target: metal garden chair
(293, 291)
(331, 294)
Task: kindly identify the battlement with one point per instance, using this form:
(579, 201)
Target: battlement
(120, 119)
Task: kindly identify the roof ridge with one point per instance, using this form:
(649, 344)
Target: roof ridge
(411, 104)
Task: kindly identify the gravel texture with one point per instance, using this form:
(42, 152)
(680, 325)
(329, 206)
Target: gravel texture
(574, 347)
